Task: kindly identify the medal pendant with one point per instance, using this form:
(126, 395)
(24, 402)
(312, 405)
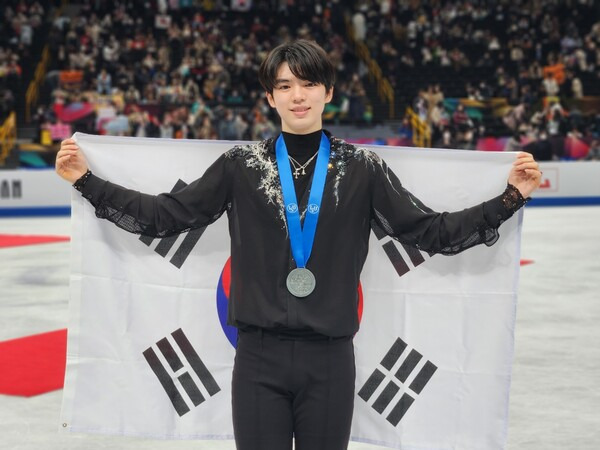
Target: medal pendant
(301, 282)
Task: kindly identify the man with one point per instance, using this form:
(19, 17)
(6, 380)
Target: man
(294, 284)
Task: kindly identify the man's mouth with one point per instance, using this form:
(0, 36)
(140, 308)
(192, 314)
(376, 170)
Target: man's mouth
(300, 110)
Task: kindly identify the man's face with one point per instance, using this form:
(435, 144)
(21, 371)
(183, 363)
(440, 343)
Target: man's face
(299, 103)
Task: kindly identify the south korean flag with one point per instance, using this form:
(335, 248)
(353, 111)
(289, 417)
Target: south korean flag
(150, 353)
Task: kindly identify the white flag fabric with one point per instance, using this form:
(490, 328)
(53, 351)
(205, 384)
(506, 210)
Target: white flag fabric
(149, 353)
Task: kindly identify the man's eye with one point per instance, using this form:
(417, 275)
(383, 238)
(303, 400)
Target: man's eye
(311, 84)
(283, 87)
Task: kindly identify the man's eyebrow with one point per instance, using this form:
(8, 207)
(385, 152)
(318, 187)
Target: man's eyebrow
(281, 80)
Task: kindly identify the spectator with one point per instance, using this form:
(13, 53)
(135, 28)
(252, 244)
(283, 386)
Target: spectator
(420, 105)
(553, 125)
(104, 83)
(577, 88)
(460, 120)
(514, 143)
(447, 140)
(206, 130)
(550, 86)
(143, 125)
(515, 116)
(228, 128)
(433, 97)
(357, 106)
(439, 120)
(166, 127)
(359, 24)
(594, 151)
(263, 128)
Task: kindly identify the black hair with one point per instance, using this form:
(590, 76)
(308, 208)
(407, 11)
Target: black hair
(306, 59)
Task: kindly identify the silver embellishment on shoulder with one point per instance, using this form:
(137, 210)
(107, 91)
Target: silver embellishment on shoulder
(256, 157)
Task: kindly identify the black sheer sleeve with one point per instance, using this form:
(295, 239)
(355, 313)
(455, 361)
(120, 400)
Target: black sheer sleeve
(196, 205)
(402, 216)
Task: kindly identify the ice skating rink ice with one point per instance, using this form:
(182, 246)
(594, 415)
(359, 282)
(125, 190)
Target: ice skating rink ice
(555, 393)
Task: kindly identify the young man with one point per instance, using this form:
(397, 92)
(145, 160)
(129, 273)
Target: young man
(300, 210)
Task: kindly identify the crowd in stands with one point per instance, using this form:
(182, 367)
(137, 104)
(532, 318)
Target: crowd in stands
(177, 70)
(535, 54)
(516, 39)
(188, 68)
(539, 127)
(18, 24)
(541, 131)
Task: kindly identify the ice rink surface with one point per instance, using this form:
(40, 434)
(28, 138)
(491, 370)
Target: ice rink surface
(555, 398)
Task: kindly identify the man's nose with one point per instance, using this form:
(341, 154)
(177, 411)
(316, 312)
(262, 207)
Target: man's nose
(298, 93)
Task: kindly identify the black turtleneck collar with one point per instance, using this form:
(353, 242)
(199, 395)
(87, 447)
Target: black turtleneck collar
(302, 146)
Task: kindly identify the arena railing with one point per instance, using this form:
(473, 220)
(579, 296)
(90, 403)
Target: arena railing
(384, 88)
(421, 129)
(8, 136)
(33, 91)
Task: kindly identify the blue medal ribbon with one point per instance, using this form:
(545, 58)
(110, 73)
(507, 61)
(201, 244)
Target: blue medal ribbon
(302, 238)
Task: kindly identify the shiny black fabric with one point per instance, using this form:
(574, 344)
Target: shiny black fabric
(360, 191)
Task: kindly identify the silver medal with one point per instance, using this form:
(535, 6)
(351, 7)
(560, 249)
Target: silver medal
(301, 282)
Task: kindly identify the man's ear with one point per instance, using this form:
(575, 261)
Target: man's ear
(329, 95)
(270, 99)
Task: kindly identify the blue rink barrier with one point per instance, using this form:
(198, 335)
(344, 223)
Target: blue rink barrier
(36, 211)
(565, 201)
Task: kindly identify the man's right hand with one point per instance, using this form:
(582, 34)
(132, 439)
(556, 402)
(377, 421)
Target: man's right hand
(70, 162)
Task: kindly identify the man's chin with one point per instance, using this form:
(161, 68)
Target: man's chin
(301, 125)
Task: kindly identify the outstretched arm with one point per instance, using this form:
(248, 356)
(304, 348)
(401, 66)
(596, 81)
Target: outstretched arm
(404, 217)
(198, 204)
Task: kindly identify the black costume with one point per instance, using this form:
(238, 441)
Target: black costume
(244, 182)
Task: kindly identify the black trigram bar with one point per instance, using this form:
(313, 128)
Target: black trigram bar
(396, 258)
(165, 244)
(148, 239)
(423, 377)
(414, 254)
(408, 365)
(190, 387)
(394, 255)
(379, 233)
(393, 354)
(400, 409)
(167, 383)
(385, 397)
(189, 242)
(183, 251)
(168, 352)
(372, 383)
(190, 354)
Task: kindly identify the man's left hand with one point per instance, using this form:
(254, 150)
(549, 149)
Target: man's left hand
(525, 174)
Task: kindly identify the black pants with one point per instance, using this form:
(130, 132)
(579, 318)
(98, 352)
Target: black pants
(284, 389)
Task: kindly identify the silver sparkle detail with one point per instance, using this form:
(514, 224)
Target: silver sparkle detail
(345, 152)
(256, 157)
